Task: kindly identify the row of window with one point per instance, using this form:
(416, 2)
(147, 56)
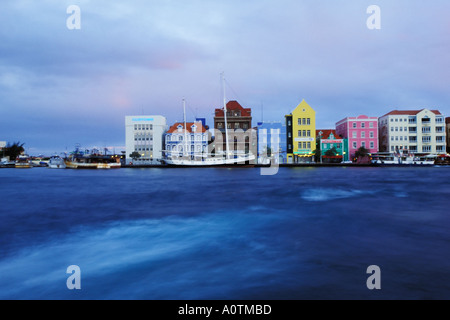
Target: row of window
(413, 120)
(414, 129)
(180, 148)
(304, 121)
(191, 137)
(143, 127)
(414, 148)
(363, 124)
(237, 125)
(363, 134)
(426, 139)
(140, 148)
(363, 144)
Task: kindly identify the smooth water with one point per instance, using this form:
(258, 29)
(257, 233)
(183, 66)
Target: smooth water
(216, 233)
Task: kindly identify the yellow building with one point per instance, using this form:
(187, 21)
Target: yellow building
(301, 134)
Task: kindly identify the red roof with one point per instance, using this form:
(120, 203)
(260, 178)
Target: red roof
(174, 127)
(326, 133)
(232, 106)
(408, 112)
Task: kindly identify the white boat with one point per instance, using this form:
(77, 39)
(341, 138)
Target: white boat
(85, 160)
(56, 162)
(405, 159)
(23, 161)
(225, 159)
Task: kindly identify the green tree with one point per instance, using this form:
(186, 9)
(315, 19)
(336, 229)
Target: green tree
(362, 152)
(135, 155)
(331, 152)
(13, 150)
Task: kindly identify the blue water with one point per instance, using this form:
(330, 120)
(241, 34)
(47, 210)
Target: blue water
(305, 233)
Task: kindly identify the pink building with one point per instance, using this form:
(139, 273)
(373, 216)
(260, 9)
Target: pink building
(361, 131)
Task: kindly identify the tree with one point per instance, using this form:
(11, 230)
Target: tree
(13, 150)
(331, 152)
(135, 155)
(362, 152)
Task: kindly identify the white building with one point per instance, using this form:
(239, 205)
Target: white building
(144, 135)
(412, 131)
(192, 142)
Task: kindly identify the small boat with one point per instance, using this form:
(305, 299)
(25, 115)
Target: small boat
(442, 160)
(23, 161)
(85, 160)
(56, 162)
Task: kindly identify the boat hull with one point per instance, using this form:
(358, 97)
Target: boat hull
(79, 165)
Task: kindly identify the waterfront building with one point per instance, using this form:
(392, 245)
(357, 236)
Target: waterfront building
(271, 141)
(144, 137)
(301, 134)
(190, 142)
(447, 125)
(360, 131)
(239, 123)
(328, 141)
(412, 131)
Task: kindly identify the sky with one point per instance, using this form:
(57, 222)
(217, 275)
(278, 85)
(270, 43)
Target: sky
(60, 87)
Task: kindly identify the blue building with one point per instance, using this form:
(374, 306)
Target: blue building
(271, 141)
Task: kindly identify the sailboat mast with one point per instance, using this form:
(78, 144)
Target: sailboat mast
(185, 128)
(225, 117)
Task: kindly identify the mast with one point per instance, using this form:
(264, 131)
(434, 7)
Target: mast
(185, 152)
(225, 116)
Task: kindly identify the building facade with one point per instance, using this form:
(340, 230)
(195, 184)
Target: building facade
(271, 141)
(360, 131)
(301, 134)
(144, 136)
(412, 131)
(241, 139)
(330, 142)
(190, 142)
(447, 125)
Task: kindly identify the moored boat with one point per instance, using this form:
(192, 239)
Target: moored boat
(56, 162)
(85, 160)
(23, 161)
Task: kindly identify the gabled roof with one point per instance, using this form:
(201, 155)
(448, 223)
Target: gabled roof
(326, 133)
(174, 127)
(234, 105)
(409, 112)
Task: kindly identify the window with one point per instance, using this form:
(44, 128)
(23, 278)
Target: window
(372, 145)
(371, 135)
(363, 134)
(354, 134)
(309, 145)
(354, 145)
(304, 133)
(299, 121)
(304, 145)
(299, 145)
(370, 124)
(363, 124)
(308, 133)
(396, 128)
(426, 129)
(303, 121)
(308, 121)
(426, 149)
(354, 124)
(426, 139)
(236, 125)
(299, 133)
(363, 144)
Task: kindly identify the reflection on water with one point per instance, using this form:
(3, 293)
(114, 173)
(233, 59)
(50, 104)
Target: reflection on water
(225, 234)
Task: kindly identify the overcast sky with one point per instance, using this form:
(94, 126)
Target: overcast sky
(59, 87)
